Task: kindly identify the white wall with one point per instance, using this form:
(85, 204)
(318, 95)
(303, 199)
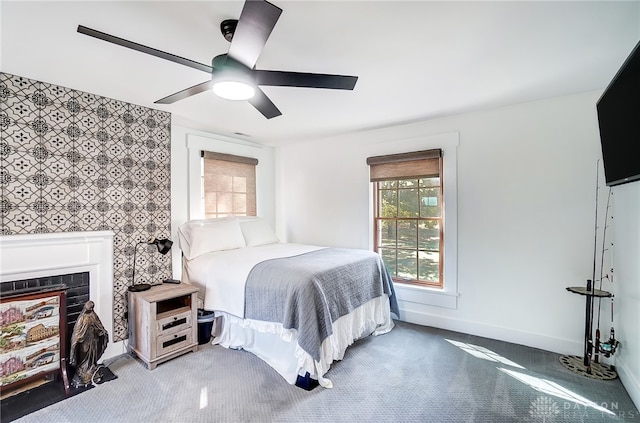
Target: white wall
(186, 145)
(626, 264)
(526, 185)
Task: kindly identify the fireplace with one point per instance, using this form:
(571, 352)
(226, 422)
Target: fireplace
(29, 258)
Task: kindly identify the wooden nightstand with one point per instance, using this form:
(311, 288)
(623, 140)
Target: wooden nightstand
(163, 322)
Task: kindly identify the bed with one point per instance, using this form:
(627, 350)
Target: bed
(297, 307)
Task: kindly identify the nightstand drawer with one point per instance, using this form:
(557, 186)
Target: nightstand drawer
(172, 342)
(175, 323)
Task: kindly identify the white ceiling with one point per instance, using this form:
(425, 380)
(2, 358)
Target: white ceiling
(415, 60)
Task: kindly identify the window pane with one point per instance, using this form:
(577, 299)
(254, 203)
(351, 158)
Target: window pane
(239, 184)
(407, 233)
(388, 203)
(429, 235)
(407, 264)
(430, 182)
(387, 233)
(240, 204)
(407, 183)
(408, 202)
(225, 203)
(389, 259)
(224, 183)
(388, 184)
(429, 202)
(210, 202)
(429, 266)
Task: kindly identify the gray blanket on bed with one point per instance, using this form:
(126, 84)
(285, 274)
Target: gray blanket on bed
(309, 292)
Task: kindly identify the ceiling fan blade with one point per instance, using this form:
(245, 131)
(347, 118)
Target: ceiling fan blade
(256, 22)
(180, 95)
(306, 80)
(144, 49)
(264, 105)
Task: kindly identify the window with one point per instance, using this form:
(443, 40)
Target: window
(229, 185)
(408, 215)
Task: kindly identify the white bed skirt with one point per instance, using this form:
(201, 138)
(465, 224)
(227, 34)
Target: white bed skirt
(279, 348)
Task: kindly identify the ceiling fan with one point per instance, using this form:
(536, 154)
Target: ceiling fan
(233, 75)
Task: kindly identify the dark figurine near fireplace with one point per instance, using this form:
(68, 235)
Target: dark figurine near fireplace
(88, 342)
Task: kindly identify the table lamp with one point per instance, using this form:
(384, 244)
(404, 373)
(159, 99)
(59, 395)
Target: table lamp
(163, 245)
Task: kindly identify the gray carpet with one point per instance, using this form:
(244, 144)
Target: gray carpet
(412, 374)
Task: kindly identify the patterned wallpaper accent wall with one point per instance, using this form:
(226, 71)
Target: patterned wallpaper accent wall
(74, 161)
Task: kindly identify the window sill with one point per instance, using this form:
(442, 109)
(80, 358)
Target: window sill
(426, 296)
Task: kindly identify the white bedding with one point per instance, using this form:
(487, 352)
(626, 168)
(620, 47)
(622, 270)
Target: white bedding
(221, 275)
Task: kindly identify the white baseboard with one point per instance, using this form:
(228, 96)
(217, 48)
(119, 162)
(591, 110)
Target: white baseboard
(629, 381)
(535, 340)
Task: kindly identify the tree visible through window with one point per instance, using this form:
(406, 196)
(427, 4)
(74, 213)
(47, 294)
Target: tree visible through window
(408, 224)
(229, 185)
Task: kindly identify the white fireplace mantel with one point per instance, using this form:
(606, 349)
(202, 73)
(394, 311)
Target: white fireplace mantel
(30, 256)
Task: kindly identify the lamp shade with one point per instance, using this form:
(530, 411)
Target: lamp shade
(164, 245)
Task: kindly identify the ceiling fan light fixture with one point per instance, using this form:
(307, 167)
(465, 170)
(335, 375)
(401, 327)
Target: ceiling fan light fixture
(231, 80)
(234, 90)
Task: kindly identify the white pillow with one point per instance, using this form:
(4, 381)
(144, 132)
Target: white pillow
(257, 232)
(197, 238)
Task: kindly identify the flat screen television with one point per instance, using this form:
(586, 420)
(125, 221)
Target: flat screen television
(619, 121)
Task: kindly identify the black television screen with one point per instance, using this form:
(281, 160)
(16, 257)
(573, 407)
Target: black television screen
(619, 121)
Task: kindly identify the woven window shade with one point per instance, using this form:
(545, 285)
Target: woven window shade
(229, 185)
(417, 164)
